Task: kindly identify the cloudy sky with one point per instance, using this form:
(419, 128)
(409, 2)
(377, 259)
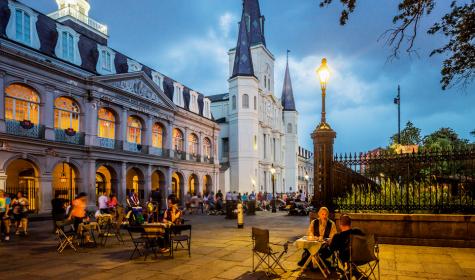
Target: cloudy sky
(188, 41)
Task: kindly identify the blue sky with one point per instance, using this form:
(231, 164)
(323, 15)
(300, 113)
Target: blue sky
(188, 41)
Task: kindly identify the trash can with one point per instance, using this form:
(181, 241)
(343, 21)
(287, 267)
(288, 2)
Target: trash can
(251, 207)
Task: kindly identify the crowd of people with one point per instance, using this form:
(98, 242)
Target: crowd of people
(13, 212)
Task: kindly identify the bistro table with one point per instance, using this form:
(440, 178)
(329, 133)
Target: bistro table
(155, 231)
(88, 228)
(313, 246)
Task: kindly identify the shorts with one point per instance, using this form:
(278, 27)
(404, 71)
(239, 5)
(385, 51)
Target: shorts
(20, 216)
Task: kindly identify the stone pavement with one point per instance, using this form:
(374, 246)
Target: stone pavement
(219, 251)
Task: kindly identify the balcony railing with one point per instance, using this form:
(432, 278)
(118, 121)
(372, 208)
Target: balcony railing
(77, 138)
(106, 143)
(156, 151)
(15, 127)
(179, 155)
(194, 157)
(134, 147)
(67, 11)
(208, 160)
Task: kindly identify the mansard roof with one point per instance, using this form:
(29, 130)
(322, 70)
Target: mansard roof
(88, 50)
(243, 59)
(287, 98)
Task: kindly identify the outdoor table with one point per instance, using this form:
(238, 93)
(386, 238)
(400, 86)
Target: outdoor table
(90, 228)
(105, 222)
(154, 231)
(313, 246)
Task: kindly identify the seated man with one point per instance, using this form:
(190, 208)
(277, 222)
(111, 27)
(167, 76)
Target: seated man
(322, 229)
(341, 241)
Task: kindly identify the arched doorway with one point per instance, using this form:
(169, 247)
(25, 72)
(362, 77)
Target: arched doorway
(135, 182)
(64, 181)
(177, 184)
(207, 184)
(22, 175)
(193, 184)
(158, 180)
(106, 181)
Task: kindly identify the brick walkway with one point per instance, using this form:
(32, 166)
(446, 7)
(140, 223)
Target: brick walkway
(219, 251)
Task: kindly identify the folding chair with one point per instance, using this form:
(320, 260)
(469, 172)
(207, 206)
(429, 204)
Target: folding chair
(364, 258)
(179, 238)
(264, 252)
(136, 241)
(65, 238)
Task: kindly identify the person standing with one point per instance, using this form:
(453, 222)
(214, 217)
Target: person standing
(102, 201)
(58, 211)
(78, 211)
(20, 213)
(4, 214)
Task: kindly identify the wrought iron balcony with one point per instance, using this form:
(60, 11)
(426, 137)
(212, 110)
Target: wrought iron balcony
(181, 155)
(67, 11)
(134, 147)
(208, 160)
(194, 157)
(61, 135)
(156, 151)
(25, 129)
(106, 143)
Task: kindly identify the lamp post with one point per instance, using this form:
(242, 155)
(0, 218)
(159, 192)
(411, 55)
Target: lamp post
(323, 137)
(306, 189)
(272, 171)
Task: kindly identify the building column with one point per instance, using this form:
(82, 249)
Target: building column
(91, 123)
(121, 192)
(45, 193)
(200, 146)
(123, 128)
(148, 133)
(47, 113)
(148, 182)
(2, 103)
(185, 144)
(89, 182)
(168, 181)
(3, 181)
(169, 141)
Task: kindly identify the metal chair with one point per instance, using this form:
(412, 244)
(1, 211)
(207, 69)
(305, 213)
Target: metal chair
(65, 238)
(136, 241)
(178, 237)
(364, 258)
(261, 247)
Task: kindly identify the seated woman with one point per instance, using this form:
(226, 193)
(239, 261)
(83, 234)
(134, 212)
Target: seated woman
(172, 214)
(322, 229)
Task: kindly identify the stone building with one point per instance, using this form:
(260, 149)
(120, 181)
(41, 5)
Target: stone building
(305, 171)
(77, 115)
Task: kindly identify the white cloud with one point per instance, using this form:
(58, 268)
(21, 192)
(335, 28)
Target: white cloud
(226, 22)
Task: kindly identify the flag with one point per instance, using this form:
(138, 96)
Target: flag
(396, 100)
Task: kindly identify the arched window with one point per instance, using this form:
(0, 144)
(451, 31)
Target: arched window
(255, 102)
(106, 123)
(193, 144)
(245, 101)
(157, 136)
(177, 140)
(134, 130)
(22, 103)
(66, 114)
(234, 102)
(22, 26)
(207, 148)
(289, 128)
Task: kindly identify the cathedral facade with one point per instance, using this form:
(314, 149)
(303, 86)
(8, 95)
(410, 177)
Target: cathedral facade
(258, 142)
(79, 116)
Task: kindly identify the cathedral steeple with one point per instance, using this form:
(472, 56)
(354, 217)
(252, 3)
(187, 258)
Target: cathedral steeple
(243, 59)
(287, 98)
(254, 22)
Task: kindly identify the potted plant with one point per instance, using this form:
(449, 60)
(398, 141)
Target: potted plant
(70, 131)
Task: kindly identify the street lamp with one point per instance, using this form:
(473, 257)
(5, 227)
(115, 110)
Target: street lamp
(272, 171)
(306, 179)
(324, 75)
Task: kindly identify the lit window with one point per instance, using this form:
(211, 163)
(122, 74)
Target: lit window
(157, 136)
(207, 148)
(66, 114)
(22, 103)
(106, 123)
(245, 101)
(23, 27)
(177, 140)
(67, 46)
(134, 130)
(193, 144)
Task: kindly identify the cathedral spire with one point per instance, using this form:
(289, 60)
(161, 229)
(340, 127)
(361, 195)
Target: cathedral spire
(243, 59)
(254, 22)
(287, 98)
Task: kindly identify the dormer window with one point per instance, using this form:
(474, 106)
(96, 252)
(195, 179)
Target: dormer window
(67, 44)
(133, 66)
(23, 30)
(178, 95)
(206, 108)
(105, 64)
(157, 79)
(22, 25)
(194, 102)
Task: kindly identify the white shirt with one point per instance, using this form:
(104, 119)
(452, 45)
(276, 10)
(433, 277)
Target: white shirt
(102, 201)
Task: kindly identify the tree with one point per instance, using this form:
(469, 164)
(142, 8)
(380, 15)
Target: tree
(443, 139)
(410, 135)
(457, 25)
(473, 133)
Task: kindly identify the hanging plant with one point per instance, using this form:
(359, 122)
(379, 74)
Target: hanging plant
(26, 124)
(70, 131)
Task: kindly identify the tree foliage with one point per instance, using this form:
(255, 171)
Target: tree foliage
(410, 135)
(457, 25)
(444, 139)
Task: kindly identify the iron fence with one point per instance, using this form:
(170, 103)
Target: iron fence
(422, 182)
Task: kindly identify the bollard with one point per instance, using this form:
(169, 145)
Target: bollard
(240, 215)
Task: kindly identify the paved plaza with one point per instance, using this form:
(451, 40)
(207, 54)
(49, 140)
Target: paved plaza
(219, 251)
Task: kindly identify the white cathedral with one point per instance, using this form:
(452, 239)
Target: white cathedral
(258, 130)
